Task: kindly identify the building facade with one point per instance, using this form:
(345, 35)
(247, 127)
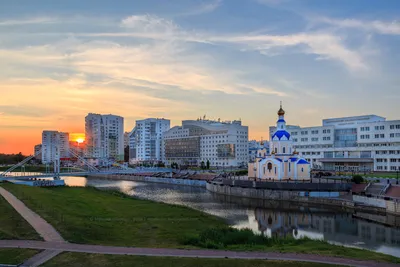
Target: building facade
(132, 146)
(104, 137)
(258, 149)
(283, 163)
(37, 151)
(359, 144)
(55, 145)
(148, 139)
(223, 144)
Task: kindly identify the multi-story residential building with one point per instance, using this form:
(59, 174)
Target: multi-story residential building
(37, 151)
(104, 137)
(126, 139)
(196, 141)
(55, 145)
(360, 143)
(132, 146)
(148, 142)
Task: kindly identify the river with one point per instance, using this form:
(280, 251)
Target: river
(270, 218)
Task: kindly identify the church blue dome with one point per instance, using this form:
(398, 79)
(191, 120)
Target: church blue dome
(280, 134)
(302, 161)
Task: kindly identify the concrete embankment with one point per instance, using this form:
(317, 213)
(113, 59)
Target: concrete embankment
(293, 196)
(174, 181)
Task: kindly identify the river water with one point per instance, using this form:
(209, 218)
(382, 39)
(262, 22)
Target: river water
(270, 218)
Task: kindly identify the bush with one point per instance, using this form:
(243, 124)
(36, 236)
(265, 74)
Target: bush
(357, 179)
(221, 238)
(241, 172)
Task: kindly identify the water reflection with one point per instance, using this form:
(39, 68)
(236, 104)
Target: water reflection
(271, 218)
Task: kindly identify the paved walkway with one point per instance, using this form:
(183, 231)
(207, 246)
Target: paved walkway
(44, 229)
(195, 253)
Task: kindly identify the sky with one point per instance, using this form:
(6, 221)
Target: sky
(182, 59)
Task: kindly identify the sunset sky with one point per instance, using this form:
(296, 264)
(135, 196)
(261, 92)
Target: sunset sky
(181, 59)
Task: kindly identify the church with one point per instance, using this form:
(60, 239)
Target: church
(284, 162)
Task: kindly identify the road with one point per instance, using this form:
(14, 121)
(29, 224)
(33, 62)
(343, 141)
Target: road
(195, 253)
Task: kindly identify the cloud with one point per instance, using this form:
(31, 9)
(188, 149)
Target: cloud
(203, 9)
(325, 46)
(381, 27)
(37, 20)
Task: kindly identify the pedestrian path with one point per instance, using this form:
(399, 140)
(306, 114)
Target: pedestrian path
(195, 253)
(44, 229)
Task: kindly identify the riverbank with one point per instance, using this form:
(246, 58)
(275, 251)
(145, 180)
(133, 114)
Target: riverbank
(98, 260)
(327, 198)
(91, 216)
(149, 179)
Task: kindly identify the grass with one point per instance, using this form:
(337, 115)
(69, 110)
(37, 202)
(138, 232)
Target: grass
(98, 260)
(233, 239)
(90, 216)
(12, 225)
(15, 256)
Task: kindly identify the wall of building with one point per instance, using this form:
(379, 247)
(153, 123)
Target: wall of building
(223, 144)
(361, 143)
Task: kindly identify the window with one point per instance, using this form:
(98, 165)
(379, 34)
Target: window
(376, 128)
(382, 136)
(304, 132)
(326, 138)
(392, 135)
(284, 150)
(314, 139)
(294, 133)
(398, 126)
(393, 160)
(269, 166)
(289, 166)
(314, 132)
(304, 139)
(275, 170)
(377, 136)
(302, 169)
(391, 127)
(276, 150)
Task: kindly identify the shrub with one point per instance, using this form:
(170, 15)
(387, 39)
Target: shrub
(357, 179)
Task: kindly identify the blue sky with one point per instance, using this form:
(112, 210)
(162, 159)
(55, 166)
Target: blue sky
(182, 59)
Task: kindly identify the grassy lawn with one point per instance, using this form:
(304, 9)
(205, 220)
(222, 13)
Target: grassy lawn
(83, 259)
(15, 255)
(245, 240)
(12, 225)
(91, 216)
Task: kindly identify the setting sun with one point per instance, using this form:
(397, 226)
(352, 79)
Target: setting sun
(77, 137)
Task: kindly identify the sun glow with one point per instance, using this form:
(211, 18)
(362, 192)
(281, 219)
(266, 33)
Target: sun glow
(77, 137)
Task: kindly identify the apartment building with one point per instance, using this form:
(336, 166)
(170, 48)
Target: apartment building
(55, 145)
(148, 139)
(104, 137)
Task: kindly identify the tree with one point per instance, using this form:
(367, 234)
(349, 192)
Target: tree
(202, 165)
(208, 164)
(126, 154)
(357, 179)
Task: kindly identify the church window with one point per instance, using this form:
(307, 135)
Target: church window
(264, 169)
(302, 169)
(289, 166)
(275, 170)
(276, 150)
(269, 166)
(284, 150)
(281, 126)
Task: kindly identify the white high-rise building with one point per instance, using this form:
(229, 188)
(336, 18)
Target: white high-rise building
(132, 146)
(54, 144)
(360, 143)
(104, 137)
(148, 136)
(220, 143)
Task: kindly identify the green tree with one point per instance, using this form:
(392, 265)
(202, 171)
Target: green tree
(208, 164)
(202, 165)
(357, 179)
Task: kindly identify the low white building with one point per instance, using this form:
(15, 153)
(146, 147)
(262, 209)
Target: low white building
(54, 145)
(223, 144)
(360, 143)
